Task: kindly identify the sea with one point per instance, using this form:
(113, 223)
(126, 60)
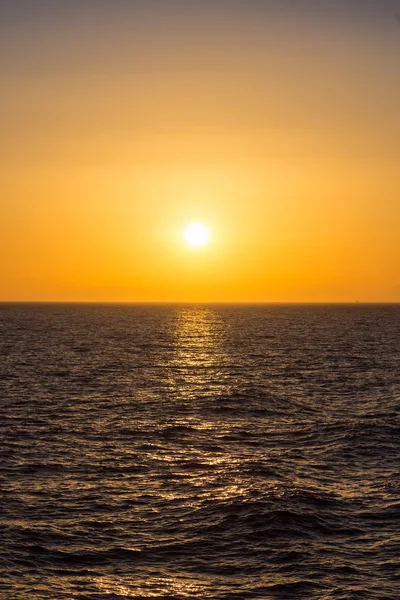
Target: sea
(199, 451)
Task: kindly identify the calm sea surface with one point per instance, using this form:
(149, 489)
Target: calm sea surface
(200, 451)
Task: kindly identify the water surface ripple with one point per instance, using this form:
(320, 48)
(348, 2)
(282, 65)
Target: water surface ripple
(199, 451)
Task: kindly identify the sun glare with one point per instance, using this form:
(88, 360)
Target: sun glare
(196, 235)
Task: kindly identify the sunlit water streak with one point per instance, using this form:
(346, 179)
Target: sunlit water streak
(199, 451)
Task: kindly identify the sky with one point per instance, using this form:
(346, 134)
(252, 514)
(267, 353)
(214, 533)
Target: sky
(274, 123)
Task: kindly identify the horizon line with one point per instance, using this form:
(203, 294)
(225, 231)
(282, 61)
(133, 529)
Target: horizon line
(178, 302)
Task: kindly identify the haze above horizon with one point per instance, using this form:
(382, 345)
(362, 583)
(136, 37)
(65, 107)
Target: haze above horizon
(273, 125)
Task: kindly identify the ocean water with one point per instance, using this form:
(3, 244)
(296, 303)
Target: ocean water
(200, 451)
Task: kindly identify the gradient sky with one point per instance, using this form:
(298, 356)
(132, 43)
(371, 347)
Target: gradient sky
(274, 122)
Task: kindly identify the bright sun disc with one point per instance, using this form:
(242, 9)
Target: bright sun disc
(196, 235)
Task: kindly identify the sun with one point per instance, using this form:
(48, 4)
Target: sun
(196, 235)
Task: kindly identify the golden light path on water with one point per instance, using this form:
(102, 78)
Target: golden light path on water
(175, 587)
(196, 368)
(199, 349)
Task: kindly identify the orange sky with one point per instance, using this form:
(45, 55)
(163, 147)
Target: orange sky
(279, 129)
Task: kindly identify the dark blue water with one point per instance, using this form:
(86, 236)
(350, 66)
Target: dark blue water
(211, 452)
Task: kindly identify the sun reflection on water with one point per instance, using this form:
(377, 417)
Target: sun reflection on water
(199, 358)
(182, 587)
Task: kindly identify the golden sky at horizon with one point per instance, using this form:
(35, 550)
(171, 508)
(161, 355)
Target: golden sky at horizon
(276, 127)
